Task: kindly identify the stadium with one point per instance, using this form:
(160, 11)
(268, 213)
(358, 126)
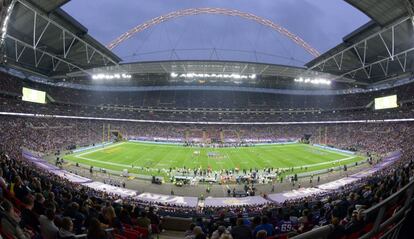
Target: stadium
(261, 119)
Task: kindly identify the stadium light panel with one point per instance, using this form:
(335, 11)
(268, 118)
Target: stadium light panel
(235, 76)
(315, 81)
(111, 76)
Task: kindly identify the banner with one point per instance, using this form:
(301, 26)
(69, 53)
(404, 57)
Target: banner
(71, 176)
(232, 201)
(294, 194)
(123, 192)
(167, 199)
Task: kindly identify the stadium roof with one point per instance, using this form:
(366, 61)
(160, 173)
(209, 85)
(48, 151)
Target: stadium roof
(383, 12)
(208, 67)
(380, 50)
(43, 38)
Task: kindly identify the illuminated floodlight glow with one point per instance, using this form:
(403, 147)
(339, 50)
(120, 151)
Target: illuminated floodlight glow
(205, 75)
(111, 76)
(315, 81)
(6, 21)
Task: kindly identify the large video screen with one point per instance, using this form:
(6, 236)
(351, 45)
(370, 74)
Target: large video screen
(386, 102)
(35, 96)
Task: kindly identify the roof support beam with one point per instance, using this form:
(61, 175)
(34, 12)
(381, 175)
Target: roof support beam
(54, 57)
(403, 65)
(47, 19)
(336, 61)
(42, 25)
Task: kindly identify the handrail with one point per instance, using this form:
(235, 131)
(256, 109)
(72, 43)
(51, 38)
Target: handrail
(387, 200)
(321, 232)
(395, 221)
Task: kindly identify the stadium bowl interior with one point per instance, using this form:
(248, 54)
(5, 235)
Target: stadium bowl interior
(93, 145)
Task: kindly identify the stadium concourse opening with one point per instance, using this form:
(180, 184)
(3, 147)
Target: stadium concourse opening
(256, 120)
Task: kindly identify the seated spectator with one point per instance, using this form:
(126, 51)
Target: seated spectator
(39, 207)
(198, 233)
(65, 231)
(29, 218)
(355, 224)
(3, 183)
(48, 228)
(189, 232)
(220, 231)
(305, 221)
(262, 234)
(226, 236)
(72, 211)
(338, 230)
(19, 189)
(110, 219)
(10, 223)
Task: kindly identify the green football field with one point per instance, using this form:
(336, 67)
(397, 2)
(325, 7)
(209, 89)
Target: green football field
(147, 158)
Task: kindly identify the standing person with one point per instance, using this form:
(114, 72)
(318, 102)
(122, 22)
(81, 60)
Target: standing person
(241, 231)
(143, 221)
(155, 220)
(285, 225)
(95, 230)
(264, 225)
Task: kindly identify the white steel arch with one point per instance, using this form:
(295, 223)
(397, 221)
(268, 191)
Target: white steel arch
(214, 11)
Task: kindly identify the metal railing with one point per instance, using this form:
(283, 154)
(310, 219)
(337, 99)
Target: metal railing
(387, 217)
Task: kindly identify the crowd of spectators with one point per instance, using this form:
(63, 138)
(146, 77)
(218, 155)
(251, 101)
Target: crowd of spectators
(35, 202)
(202, 105)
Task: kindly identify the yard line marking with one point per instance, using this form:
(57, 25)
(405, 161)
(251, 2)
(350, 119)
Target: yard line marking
(99, 149)
(322, 163)
(104, 162)
(296, 167)
(328, 150)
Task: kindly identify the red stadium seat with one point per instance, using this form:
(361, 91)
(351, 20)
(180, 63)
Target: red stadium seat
(132, 234)
(117, 236)
(5, 235)
(143, 231)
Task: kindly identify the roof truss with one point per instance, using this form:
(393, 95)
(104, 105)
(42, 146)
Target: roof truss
(38, 51)
(357, 63)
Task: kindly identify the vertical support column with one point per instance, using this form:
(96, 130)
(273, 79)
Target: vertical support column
(103, 133)
(238, 136)
(109, 129)
(320, 135)
(204, 136)
(186, 135)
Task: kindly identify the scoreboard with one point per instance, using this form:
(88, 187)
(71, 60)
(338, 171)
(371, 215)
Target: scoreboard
(386, 102)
